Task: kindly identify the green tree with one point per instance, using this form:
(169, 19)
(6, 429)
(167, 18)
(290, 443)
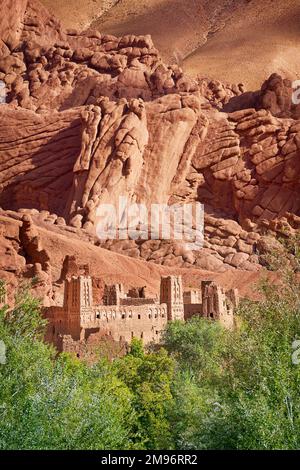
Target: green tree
(57, 403)
(149, 378)
(239, 389)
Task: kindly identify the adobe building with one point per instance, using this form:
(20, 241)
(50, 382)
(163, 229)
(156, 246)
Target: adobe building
(119, 316)
(212, 301)
(122, 317)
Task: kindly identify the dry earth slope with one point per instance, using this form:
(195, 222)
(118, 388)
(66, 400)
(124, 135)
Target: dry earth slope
(229, 40)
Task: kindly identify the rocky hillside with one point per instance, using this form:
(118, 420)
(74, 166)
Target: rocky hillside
(91, 117)
(233, 40)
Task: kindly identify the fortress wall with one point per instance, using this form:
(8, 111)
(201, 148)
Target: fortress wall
(125, 322)
(97, 343)
(137, 301)
(193, 296)
(60, 322)
(227, 319)
(55, 316)
(191, 310)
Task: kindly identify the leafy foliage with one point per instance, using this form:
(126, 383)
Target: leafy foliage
(245, 395)
(56, 403)
(149, 377)
(208, 388)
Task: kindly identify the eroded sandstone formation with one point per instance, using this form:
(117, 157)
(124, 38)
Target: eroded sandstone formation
(92, 117)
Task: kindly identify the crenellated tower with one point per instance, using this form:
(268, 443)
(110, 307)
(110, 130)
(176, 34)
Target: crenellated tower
(171, 293)
(219, 304)
(78, 301)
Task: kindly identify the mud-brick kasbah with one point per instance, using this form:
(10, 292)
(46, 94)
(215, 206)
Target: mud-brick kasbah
(122, 316)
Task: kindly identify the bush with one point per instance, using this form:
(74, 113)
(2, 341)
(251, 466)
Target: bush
(208, 388)
(49, 403)
(239, 389)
